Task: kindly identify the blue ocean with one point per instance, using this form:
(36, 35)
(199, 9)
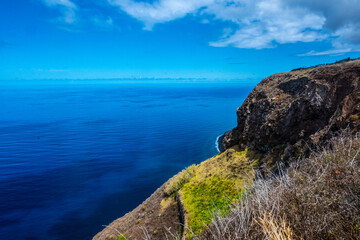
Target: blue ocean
(77, 154)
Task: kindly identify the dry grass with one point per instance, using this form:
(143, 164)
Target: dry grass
(316, 198)
(275, 230)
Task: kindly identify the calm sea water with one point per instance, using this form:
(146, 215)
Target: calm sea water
(76, 155)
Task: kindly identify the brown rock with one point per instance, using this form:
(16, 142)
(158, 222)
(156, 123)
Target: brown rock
(288, 109)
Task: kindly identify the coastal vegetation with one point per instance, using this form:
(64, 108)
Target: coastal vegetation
(211, 185)
(289, 170)
(315, 198)
(217, 182)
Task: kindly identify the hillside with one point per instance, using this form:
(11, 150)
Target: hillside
(282, 120)
(314, 198)
(287, 111)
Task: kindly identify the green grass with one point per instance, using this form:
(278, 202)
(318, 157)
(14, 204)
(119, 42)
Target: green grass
(213, 185)
(210, 186)
(201, 198)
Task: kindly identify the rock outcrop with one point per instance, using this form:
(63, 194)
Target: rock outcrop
(283, 116)
(287, 111)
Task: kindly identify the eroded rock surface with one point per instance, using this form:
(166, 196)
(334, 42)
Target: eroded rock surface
(289, 110)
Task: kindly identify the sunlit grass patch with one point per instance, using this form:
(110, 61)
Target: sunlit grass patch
(216, 183)
(201, 198)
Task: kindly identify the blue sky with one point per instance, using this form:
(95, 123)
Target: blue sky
(214, 39)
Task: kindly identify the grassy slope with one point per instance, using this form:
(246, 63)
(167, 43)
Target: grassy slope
(316, 198)
(211, 185)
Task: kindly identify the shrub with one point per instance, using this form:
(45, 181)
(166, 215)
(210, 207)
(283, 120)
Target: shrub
(315, 198)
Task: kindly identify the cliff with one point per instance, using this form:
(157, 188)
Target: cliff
(181, 206)
(283, 117)
(288, 110)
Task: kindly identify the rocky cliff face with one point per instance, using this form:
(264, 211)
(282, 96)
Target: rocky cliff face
(287, 111)
(283, 116)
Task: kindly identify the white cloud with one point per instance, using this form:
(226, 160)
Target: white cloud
(255, 24)
(160, 11)
(67, 8)
(270, 23)
(339, 48)
(333, 52)
(260, 23)
(349, 33)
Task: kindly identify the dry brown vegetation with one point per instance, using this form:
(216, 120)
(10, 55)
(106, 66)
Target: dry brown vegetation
(315, 198)
(275, 230)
